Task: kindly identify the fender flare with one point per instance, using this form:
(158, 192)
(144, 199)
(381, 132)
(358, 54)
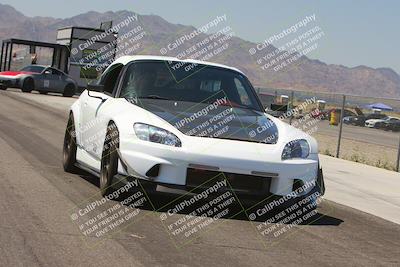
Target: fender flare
(75, 112)
(22, 80)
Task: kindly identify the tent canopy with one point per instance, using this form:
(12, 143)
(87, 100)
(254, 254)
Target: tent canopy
(379, 106)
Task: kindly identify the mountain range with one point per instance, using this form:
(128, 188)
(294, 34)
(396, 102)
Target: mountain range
(305, 74)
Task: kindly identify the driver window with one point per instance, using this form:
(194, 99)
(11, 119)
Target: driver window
(110, 79)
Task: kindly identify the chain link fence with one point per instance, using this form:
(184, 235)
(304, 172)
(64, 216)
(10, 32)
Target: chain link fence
(357, 128)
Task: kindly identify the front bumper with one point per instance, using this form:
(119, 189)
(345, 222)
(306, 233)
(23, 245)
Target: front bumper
(8, 82)
(250, 168)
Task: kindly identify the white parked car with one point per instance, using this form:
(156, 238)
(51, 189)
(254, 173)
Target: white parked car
(178, 123)
(378, 123)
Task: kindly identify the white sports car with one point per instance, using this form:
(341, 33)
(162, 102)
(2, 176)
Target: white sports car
(178, 123)
(378, 123)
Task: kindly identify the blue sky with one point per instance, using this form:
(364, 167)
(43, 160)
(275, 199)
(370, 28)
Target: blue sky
(357, 32)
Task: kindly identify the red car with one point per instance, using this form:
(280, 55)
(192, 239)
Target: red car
(41, 78)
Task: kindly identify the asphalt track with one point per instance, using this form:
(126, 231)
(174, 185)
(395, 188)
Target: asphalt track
(386, 139)
(37, 196)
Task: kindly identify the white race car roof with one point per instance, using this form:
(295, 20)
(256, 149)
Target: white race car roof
(126, 59)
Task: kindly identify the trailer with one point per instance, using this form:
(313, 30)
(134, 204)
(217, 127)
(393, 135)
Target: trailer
(81, 52)
(18, 53)
(91, 51)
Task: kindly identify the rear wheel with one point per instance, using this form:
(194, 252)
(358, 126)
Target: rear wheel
(69, 90)
(109, 159)
(3, 87)
(69, 148)
(28, 85)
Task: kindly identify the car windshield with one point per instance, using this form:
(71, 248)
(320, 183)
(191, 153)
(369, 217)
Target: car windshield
(188, 82)
(32, 68)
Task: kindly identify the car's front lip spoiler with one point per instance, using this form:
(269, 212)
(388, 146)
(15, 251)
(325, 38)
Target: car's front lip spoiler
(6, 82)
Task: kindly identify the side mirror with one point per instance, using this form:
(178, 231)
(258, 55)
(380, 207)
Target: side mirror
(95, 87)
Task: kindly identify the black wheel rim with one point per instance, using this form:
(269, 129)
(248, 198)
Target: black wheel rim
(67, 143)
(105, 172)
(29, 85)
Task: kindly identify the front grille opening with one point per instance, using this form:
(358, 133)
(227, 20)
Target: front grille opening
(297, 184)
(243, 183)
(154, 171)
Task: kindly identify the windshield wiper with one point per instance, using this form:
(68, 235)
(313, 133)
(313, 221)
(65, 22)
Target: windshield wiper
(154, 97)
(245, 107)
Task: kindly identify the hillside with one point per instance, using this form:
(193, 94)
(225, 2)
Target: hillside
(305, 74)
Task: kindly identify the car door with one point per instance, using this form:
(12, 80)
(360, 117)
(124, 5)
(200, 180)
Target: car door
(57, 81)
(40, 79)
(93, 124)
(49, 80)
(93, 118)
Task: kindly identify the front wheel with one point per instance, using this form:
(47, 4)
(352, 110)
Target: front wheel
(69, 90)
(69, 148)
(109, 160)
(28, 85)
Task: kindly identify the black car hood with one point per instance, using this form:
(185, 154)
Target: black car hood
(214, 121)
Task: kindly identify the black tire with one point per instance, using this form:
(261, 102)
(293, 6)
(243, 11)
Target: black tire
(3, 88)
(109, 159)
(69, 148)
(28, 85)
(69, 90)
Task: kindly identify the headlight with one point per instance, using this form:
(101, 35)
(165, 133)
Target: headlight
(296, 149)
(154, 134)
